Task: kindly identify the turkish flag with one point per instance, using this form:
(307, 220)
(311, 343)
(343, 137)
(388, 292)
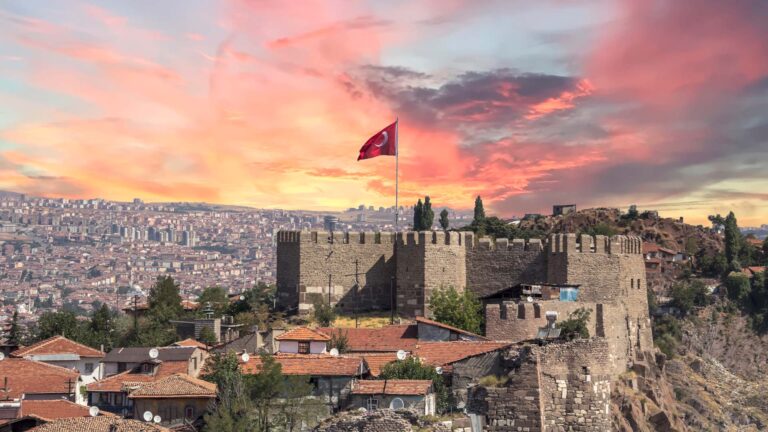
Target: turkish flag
(383, 143)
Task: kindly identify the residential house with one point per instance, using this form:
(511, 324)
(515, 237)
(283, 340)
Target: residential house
(60, 351)
(387, 339)
(33, 380)
(178, 399)
(98, 424)
(415, 395)
(123, 359)
(753, 270)
(253, 341)
(27, 413)
(302, 340)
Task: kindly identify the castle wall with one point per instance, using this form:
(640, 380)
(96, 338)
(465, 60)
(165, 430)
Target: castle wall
(306, 259)
(496, 265)
(520, 321)
(427, 261)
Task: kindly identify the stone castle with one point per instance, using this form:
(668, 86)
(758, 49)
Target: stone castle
(561, 386)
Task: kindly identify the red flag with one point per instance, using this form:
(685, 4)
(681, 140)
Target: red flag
(383, 143)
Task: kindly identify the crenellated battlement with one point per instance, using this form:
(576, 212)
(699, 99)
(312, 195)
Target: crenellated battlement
(503, 244)
(335, 237)
(571, 243)
(433, 237)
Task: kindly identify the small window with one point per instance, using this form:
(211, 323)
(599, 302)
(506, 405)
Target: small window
(372, 404)
(303, 347)
(632, 283)
(146, 368)
(88, 368)
(189, 412)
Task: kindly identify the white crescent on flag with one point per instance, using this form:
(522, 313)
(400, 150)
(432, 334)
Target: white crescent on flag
(383, 141)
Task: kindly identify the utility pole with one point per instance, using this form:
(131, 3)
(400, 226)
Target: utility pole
(392, 300)
(356, 287)
(136, 316)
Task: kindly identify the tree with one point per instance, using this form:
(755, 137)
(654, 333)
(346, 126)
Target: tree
(666, 334)
(216, 297)
(340, 341)
(102, 328)
(632, 214)
(413, 368)
(576, 326)
(427, 215)
(687, 295)
(233, 409)
(207, 336)
(462, 310)
(444, 223)
(265, 386)
(323, 313)
(732, 242)
(479, 210)
(14, 332)
(737, 287)
(58, 324)
(296, 410)
(418, 216)
(165, 299)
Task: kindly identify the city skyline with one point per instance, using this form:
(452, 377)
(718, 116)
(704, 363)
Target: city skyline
(266, 104)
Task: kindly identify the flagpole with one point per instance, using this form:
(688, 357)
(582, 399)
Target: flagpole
(397, 168)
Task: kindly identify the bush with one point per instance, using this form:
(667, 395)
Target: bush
(737, 287)
(666, 334)
(413, 368)
(687, 295)
(340, 341)
(462, 310)
(323, 313)
(576, 326)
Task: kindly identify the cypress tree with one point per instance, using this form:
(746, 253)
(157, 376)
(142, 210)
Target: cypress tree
(418, 216)
(732, 242)
(479, 210)
(427, 215)
(444, 220)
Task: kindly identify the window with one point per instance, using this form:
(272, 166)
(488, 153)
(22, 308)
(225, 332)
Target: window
(632, 283)
(146, 368)
(121, 367)
(88, 368)
(372, 404)
(189, 412)
(303, 347)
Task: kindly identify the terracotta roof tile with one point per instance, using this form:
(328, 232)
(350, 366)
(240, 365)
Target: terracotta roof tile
(176, 385)
(311, 364)
(98, 424)
(303, 334)
(34, 377)
(375, 361)
(52, 409)
(134, 378)
(392, 387)
(58, 345)
(445, 353)
(385, 339)
(427, 321)
(189, 342)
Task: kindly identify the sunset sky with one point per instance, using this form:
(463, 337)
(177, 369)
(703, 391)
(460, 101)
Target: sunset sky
(266, 103)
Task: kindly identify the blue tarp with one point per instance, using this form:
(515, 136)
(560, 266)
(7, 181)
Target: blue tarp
(569, 294)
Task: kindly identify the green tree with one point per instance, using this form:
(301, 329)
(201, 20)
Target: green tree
(687, 295)
(732, 242)
(413, 368)
(427, 215)
(444, 223)
(207, 336)
(632, 214)
(576, 326)
(14, 331)
(266, 386)
(59, 324)
(340, 341)
(297, 411)
(458, 309)
(601, 228)
(323, 313)
(165, 299)
(233, 410)
(216, 297)
(418, 216)
(479, 210)
(737, 287)
(102, 329)
(666, 334)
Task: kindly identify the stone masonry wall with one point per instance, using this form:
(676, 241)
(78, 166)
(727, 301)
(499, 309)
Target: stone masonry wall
(496, 265)
(520, 321)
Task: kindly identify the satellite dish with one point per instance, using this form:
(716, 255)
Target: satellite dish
(93, 411)
(2, 356)
(530, 299)
(242, 297)
(156, 419)
(334, 352)
(401, 355)
(396, 404)
(439, 370)
(147, 416)
(245, 357)
(153, 353)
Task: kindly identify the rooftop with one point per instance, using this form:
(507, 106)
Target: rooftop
(98, 424)
(385, 339)
(392, 387)
(303, 334)
(445, 353)
(33, 377)
(422, 320)
(57, 345)
(311, 364)
(176, 385)
(140, 354)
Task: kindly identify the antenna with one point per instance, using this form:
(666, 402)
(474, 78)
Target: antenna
(245, 357)
(93, 411)
(334, 352)
(401, 355)
(153, 353)
(147, 416)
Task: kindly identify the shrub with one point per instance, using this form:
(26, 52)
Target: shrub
(576, 326)
(323, 313)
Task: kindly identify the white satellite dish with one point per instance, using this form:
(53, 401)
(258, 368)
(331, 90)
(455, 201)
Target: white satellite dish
(530, 299)
(153, 353)
(242, 297)
(2, 356)
(439, 370)
(147, 416)
(401, 355)
(156, 419)
(245, 357)
(334, 352)
(396, 404)
(93, 411)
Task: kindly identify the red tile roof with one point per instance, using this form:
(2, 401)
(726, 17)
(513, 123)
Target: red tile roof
(422, 320)
(310, 364)
(385, 339)
(189, 342)
(375, 361)
(175, 386)
(445, 353)
(98, 424)
(393, 387)
(303, 334)
(52, 409)
(58, 345)
(130, 379)
(34, 377)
